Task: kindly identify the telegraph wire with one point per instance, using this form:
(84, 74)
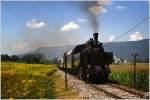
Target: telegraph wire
(135, 26)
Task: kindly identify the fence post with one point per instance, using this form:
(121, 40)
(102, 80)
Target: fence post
(65, 63)
(134, 55)
(72, 62)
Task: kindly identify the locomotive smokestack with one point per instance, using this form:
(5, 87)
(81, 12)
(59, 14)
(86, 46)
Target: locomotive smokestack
(95, 36)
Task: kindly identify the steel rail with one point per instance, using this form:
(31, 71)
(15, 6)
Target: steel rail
(126, 89)
(107, 93)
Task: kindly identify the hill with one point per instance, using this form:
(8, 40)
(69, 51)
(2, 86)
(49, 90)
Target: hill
(121, 49)
(124, 49)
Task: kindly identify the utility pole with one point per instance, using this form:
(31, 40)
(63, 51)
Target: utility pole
(65, 63)
(72, 62)
(134, 55)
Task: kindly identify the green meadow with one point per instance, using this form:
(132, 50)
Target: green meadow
(124, 74)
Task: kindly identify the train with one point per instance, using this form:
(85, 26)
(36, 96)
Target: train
(93, 61)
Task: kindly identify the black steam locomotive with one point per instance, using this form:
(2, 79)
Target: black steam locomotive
(94, 61)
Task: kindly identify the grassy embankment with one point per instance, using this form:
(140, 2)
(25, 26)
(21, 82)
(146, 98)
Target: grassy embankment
(19, 80)
(124, 74)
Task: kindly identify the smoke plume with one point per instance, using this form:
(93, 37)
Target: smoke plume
(94, 9)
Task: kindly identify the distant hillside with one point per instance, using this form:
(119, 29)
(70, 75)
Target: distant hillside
(53, 52)
(124, 49)
(121, 49)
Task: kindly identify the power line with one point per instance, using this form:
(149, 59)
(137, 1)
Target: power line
(138, 24)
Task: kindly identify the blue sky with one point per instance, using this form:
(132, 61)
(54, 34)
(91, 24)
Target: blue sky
(29, 25)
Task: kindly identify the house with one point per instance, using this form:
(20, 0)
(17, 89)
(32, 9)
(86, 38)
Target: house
(117, 60)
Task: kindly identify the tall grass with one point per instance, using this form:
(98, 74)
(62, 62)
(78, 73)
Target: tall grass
(21, 81)
(125, 76)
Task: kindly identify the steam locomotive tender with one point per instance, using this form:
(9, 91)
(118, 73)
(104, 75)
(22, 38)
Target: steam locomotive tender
(94, 61)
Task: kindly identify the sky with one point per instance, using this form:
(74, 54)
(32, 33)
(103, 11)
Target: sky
(28, 25)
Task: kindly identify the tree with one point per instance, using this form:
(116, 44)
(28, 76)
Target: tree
(54, 60)
(5, 57)
(38, 58)
(15, 58)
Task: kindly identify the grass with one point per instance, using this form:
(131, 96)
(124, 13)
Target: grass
(140, 67)
(33, 81)
(123, 73)
(21, 81)
(60, 90)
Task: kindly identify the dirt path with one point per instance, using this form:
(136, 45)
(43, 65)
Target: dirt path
(60, 91)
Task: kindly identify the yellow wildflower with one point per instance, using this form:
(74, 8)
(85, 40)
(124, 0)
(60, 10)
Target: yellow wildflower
(11, 98)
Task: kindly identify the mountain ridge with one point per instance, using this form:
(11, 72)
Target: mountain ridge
(121, 49)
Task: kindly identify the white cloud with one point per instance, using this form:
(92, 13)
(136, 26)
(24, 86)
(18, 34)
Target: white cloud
(34, 24)
(111, 38)
(136, 36)
(81, 20)
(120, 7)
(97, 9)
(70, 26)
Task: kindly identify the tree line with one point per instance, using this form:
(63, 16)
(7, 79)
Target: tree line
(36, 58)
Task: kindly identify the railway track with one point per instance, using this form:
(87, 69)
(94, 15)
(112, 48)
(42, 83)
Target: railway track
(118, 92)
(130, 90)
(110, 90)
(108, 93)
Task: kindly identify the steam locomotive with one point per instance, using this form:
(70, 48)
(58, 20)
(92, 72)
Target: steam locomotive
(93, 61)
